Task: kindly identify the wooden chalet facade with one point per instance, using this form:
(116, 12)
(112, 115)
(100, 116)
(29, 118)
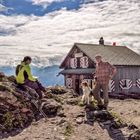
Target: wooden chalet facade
(80, 65)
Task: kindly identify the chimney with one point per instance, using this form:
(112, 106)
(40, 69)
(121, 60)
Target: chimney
(101, 41)
(114, 44)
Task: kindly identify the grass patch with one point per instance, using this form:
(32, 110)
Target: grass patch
(80, 103)
(68, 130)
(118, 120)
(58, 99)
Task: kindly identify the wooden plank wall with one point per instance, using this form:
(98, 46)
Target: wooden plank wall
(132, 73)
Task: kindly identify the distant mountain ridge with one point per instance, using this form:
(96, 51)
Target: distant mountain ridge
(47, 75)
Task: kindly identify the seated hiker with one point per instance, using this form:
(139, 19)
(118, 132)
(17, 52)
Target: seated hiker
(86, 92)
(104, 73)
(25, 77)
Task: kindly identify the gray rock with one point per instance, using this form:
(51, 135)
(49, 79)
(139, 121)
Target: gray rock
(79, 120)
(72, 101)
(135, 135)
(50, 107)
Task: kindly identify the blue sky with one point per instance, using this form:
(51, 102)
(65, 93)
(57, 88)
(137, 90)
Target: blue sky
(27, 7)
(21, 7)
(47, 29)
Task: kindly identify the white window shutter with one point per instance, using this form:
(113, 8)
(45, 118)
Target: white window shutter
(81, 62)
(111, 85)
(84, 62)
(69, 82)
(126, 83)
(73, 62)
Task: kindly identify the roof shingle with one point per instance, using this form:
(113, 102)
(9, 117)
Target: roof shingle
(116, 55)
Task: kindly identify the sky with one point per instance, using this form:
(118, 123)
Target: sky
(47, 29)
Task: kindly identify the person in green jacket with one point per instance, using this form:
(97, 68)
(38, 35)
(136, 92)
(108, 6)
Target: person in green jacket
(25, 77)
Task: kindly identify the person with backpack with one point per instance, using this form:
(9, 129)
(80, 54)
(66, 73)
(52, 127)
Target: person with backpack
(24, 76)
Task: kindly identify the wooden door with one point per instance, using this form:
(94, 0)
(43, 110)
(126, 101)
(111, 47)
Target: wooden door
(77, 85)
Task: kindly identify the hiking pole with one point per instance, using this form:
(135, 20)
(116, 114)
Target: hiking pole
(32, 100)
(40, 110)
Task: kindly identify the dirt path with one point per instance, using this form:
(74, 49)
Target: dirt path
(66, 128)
(128, 109)
(56, 129)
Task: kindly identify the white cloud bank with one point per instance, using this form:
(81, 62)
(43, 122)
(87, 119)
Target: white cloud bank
(48, 39)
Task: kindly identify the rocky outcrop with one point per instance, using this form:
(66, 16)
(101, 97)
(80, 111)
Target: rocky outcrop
(135, 135)
(19, 106)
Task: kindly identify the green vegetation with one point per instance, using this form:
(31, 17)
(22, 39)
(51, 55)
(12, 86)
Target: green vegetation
(58, 90)
(69, 130)
(119, 122)
(81, 104)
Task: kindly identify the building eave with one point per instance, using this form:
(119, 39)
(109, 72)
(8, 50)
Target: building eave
(78, 71)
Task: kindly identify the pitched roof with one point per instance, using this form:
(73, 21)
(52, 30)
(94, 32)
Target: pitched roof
(78, 71)
(116, 55)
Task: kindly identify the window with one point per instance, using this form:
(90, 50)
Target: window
(84, 62)
(126, 83)
(73, 62)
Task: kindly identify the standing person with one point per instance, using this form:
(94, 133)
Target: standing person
(104, 72)
(25, 77)
(86, 92)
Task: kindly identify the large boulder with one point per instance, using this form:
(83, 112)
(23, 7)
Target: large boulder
(50, 107)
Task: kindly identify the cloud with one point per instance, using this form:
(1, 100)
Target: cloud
(48, 38)
(45, 3)
(3, 8)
